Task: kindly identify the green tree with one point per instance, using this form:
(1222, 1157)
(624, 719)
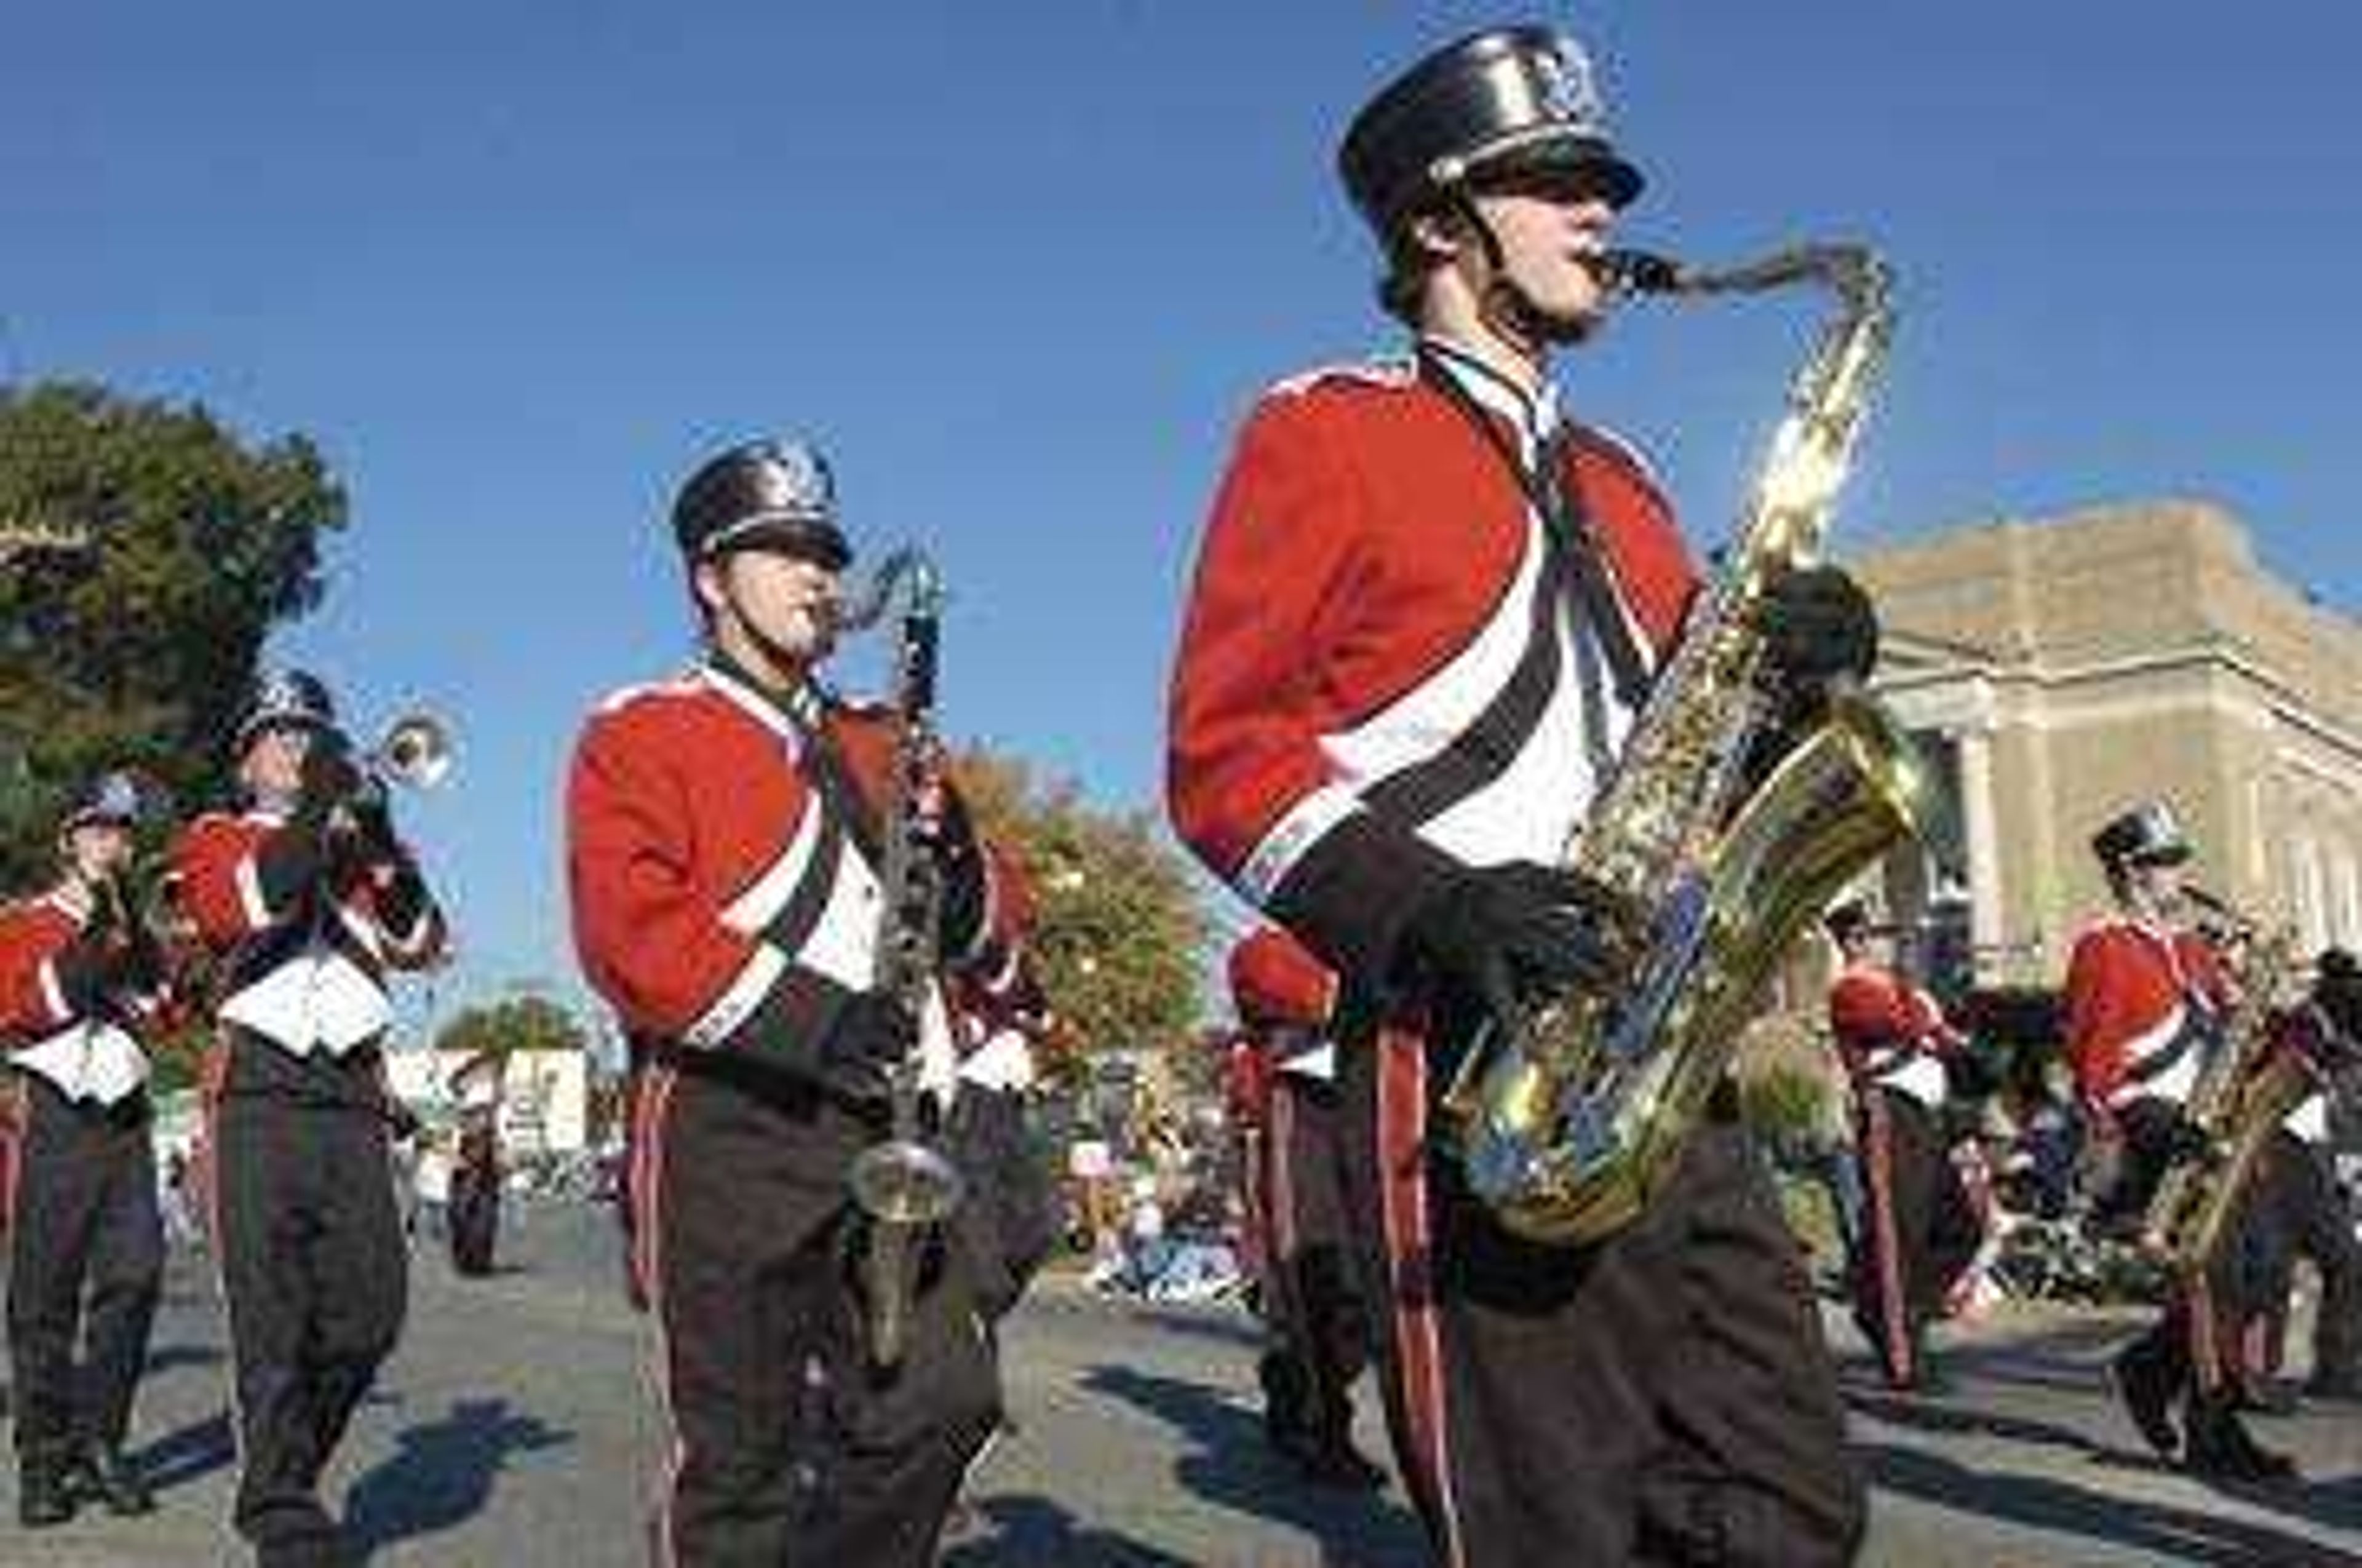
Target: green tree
(1121, 935)
(513, 1023)
(136, 649)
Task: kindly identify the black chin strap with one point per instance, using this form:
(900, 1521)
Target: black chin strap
(1505, 305)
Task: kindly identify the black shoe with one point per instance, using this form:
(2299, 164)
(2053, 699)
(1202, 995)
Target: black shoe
(102, 1472)
(2222, 1449)
(2148, 1396)
(43, 1497)
(1927, 1378)
(1343, 1465)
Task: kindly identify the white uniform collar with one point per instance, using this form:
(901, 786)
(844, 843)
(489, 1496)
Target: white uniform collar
(1535, 413)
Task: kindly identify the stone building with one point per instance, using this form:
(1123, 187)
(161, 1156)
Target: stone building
(2058, 670)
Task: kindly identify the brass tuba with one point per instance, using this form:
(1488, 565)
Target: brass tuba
(904, 1187)
(1568, 1124)
(2250, 1078)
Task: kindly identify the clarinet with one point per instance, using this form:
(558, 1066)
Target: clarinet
(902, 1186)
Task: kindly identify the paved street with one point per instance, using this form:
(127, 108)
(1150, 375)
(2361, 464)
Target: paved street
(512, 1430)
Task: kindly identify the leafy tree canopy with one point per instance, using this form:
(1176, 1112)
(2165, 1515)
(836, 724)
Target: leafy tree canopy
(1120, 934)
(513, 1023)
(136, 650)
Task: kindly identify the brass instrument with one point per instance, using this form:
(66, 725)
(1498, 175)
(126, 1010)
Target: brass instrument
(1569, 1123)
(2248, 1080)
(904, 1187)
(415, 752)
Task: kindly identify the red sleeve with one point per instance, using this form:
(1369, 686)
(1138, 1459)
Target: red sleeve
(215, 861)
(1243, 754)
(30, 1002)
(1244, 742)
(650, 938)
(1275, 980)
(2098, 1018)
(1867, 1013)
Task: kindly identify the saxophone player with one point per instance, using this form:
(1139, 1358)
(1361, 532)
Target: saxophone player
(1426, 607)
(307, 903)
(81, 985)
(2145, 999)
(724, 841)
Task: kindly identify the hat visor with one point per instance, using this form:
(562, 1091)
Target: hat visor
(1556, 154)
(801, 537)
(253, 728)
(2163, 854)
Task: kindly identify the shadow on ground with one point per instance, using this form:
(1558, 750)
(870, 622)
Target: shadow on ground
(188, 1453)
(1229, 1464)
(1002, 1532)
(2171, 1534)
(442, 1472)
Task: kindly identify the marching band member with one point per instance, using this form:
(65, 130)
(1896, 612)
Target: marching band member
(1311, 1300)
(1424, 611)
(724, 830)
(307, 901)
(1921, 1231)
(2302, 1211)
(2145, 1000)
(1003, 1024)
(81, 981)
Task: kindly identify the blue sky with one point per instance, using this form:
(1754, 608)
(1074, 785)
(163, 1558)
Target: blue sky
(1020, 269)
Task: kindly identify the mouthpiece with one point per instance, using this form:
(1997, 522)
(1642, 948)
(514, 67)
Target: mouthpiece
(1630, 273)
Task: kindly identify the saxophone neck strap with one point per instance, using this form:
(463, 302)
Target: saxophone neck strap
(1568, 526)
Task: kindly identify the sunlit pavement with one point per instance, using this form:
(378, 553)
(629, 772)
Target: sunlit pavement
(513, 1430)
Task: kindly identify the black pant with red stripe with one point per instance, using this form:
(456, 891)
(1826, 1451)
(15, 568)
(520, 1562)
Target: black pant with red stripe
(1661, 1396)
(1919, 1233)
(2301, 1213)
(314, 1271)
(86, 1269)
(1314, 1307)
(789, 1449)
(2194, 1351)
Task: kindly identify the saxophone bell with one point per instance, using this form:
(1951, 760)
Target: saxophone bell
(904, 1189)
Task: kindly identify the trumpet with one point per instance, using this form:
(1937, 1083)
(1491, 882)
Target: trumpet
(414, 752)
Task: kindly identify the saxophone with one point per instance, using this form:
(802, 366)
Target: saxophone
(2251, 1077)
(1567, 1123)
(902, 1186)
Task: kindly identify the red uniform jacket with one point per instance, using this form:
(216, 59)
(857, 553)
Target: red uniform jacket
(1890, 1031)
(96, 1055)
(1378, 676)
(2137, 999)
(1275, 980)
(306, 974)
(1286, 1001)
(722, 900)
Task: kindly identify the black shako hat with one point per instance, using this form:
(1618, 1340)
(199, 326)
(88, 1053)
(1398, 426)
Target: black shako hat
(2148, 835)
(284, 699)
(111, 796)
(1510, 100)
(775, 492)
